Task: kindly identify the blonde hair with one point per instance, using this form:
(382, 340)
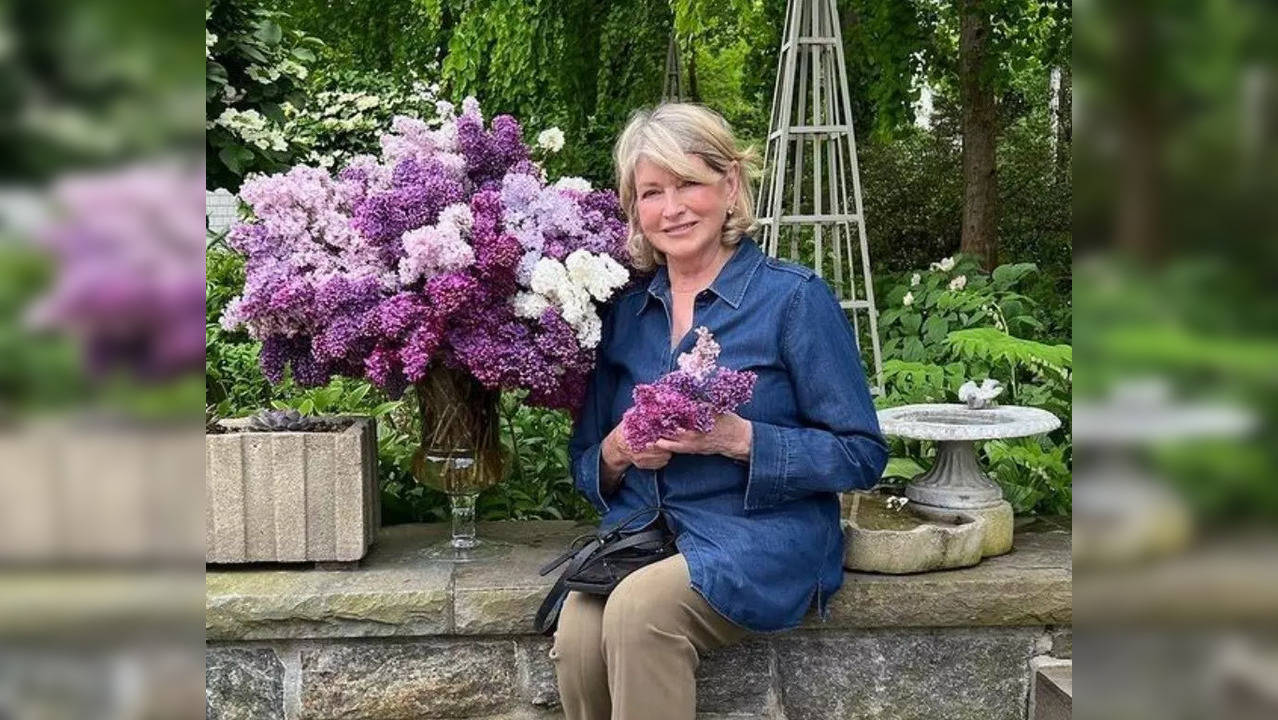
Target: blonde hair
(666, 136)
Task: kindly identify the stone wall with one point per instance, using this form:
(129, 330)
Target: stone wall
(401, 638)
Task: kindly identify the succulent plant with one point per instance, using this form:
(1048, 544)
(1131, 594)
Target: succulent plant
(287, 420)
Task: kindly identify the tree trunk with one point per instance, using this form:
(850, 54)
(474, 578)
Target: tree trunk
(694, 93)
(1140, 139)
(980, 132)
(1064, 121)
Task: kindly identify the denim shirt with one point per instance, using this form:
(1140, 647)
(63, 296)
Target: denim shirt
(762, 538)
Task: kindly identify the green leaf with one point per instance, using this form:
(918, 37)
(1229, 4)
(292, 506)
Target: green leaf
(215, 73)
(935, 328)
(910, 323)
(357, 395)
(269, 32)
(913, 350)
(901, 467)
(1005, 276)
(230, 156)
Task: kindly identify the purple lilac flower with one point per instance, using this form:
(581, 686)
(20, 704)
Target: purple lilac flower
(689, 398)
(418, 192)
(415, 259)
(128, 268)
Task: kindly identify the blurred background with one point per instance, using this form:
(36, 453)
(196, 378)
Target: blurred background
(1176, 137)
(101, 357)
(1166, 120)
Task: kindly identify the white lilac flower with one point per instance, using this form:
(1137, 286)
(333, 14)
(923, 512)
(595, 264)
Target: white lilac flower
(530, 305)
(915, 279)
(599, 275)
(958, 283)
(445, 110)
(551, 139)
(453, 163)
(548, 275)
(908, 300)
(945, 265)
(550, 279)
(590, 331)
(573, 183)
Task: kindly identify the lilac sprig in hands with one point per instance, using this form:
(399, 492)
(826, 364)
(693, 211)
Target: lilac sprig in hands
(693, 398)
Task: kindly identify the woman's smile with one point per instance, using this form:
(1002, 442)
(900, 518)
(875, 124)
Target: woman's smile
(680, 230)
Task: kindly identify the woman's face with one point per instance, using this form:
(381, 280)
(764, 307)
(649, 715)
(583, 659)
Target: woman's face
(682, 218)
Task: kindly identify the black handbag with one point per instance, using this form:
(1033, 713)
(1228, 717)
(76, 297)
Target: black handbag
(598, 560)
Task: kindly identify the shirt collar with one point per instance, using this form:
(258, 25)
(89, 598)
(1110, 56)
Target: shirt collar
(730, 284)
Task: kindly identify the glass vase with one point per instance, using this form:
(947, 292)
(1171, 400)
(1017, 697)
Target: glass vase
(460, 455)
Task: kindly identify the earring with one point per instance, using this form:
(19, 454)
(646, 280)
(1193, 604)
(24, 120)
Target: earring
(730, 211)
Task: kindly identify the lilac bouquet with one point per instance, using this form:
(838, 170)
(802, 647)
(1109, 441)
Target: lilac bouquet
(689, 398)
(450, 248)
(130, 269)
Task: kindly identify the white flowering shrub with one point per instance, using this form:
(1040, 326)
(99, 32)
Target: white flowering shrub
(254, 67)
(344, 113)
(954, 322)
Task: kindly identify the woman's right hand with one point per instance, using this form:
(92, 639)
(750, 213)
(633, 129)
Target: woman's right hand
(617, 453)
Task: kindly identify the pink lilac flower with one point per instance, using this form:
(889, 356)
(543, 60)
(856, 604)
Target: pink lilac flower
(690, 398)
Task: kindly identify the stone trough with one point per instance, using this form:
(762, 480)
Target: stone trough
(909, 540)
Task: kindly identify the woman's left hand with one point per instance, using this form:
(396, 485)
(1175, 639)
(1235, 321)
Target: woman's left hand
(731, 436)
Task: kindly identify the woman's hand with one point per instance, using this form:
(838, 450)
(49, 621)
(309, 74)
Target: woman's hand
(731, 436)
(618, 453)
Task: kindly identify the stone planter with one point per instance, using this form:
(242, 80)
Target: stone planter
(291, 496)
(917, 539)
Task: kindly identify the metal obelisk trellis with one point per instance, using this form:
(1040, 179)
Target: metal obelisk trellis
(810, 166)
(672, 91)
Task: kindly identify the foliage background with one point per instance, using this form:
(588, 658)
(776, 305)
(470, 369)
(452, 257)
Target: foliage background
(333, 77)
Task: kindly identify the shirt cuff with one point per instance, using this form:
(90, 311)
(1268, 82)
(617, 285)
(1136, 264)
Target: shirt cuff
(588, 477)
(769, 460)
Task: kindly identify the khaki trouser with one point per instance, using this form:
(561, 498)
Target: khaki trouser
(633, 654)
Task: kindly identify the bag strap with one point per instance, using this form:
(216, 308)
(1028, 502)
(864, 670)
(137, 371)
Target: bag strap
(616, 529)
(548, 613)
(646, 537)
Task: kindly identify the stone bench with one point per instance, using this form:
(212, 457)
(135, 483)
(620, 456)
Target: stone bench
(404, 638)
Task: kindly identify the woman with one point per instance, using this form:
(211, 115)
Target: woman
(753, 502)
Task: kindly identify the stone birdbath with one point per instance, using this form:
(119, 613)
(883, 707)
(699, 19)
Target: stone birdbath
(955, 480)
